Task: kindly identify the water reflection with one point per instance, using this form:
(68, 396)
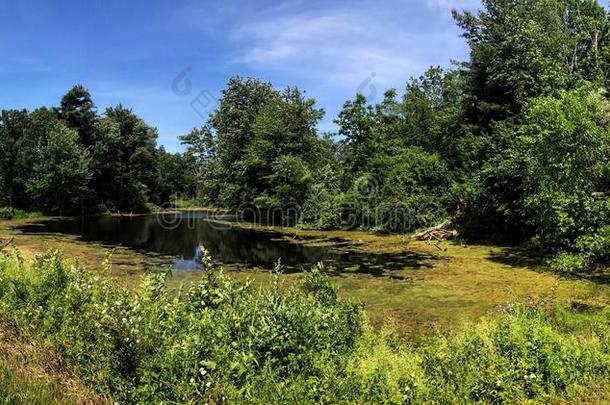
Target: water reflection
(227, 244)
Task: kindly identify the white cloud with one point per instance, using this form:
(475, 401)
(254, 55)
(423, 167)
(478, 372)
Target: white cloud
(447, 5)
(345, 47)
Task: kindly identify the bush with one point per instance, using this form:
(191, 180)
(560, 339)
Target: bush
(211, 341)
(224, 341)
(325, 210)
(12, 213)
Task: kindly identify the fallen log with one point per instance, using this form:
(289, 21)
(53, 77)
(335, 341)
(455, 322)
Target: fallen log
(439, 232)
(5, 243)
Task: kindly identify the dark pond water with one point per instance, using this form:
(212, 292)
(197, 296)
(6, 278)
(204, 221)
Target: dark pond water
(178, 236)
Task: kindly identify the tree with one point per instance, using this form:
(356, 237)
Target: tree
(232, 123)
(134, 155)
(200, 161)
(356, 121)
(200, 145)
(173, 176)
(284, 141)
(518, 50)
(564, 150)
(13, 148)
(430, 113)
(60, 173)
(589, 28)
(78, 111)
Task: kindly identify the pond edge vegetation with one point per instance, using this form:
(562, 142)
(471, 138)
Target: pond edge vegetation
(221, 340)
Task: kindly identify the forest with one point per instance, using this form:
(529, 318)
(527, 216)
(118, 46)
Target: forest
(513, 144)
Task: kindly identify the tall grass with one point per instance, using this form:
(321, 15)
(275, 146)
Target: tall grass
(18, 388)
(221, 340)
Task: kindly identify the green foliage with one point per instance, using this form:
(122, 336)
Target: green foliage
(512, 144)
(78, 112)
(260, 146)
(69, 160)
(12, 213)
(151, 345)
(60, 174)
(224, 341)
(551, 182)
(564, 146)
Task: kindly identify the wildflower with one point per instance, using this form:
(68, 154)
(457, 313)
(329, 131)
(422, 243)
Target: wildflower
(202, 371)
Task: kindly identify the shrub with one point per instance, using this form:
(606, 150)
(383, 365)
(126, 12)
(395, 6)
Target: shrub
(11, 213)
(213, 339)
(221, 340)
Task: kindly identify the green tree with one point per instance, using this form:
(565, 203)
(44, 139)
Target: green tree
(15, 146)
(356, 121)
(232, 123)
(174, 176)
(279, 159)
(564, 150)
(78, 111)
(200, 162)
(60, 174)
(133, 154)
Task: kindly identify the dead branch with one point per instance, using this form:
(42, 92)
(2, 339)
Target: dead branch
(444, 231)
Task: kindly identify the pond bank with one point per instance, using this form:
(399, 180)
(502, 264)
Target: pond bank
(417, 286)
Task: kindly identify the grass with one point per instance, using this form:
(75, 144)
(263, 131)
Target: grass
(226, 340)
(16, 389)
(447, 288)
(33, 373)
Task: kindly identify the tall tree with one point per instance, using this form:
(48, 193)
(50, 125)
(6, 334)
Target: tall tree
(135, 153)
(518, 50)
(15, 145)
(78, 111)
(279, 160)
(356, 121)
(60, 174)
(232, 123)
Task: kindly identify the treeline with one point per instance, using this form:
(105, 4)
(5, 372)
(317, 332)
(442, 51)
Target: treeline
(514, 143)
(70, 160)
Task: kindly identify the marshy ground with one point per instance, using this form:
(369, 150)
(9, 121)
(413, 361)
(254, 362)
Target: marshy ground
(420, 288)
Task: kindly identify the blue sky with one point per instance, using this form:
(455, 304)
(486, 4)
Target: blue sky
(169, 61)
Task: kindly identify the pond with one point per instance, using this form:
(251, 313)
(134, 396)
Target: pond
(178, 235)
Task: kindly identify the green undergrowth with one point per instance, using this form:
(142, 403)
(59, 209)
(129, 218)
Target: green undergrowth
(13, 213)
(222, 340)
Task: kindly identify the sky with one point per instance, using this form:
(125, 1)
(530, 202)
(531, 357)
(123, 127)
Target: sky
(169, 60)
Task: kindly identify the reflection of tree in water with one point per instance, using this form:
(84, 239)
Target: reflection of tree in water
(227, 244)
